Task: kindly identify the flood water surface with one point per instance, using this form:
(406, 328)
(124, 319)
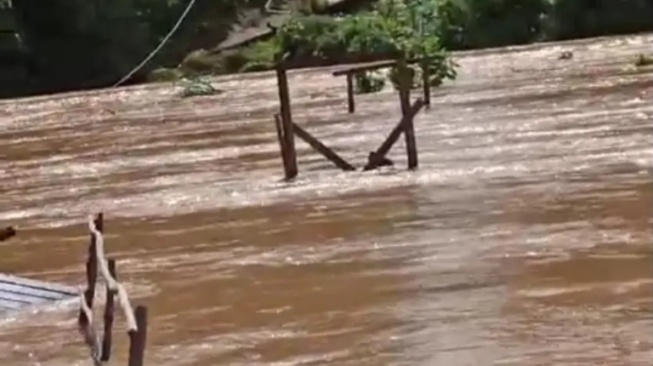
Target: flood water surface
(524, 238)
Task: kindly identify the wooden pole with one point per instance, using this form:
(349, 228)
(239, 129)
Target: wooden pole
(405, 81)
(322, 149)
(290, 157)
(376, 157)
(138, 338)
(426, 82)
(351, 105)
(282, 139)
(91, 270)
(108, 315)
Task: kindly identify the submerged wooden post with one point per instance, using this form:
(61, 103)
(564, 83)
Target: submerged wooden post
(91, 270)
(351, 105)
(426, 82)
(108, 315)
(377, 156)
(322, 149)
(138, 337)
(290, 155)
(405, 82)
(282, 139)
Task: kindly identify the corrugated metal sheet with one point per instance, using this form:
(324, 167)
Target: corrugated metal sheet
(17, 292)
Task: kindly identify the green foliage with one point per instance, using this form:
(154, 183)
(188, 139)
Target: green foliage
(468, 24)
(195, 87)
(73, 44)
(395, 29)
(585, 18)
(392, 28)
(163, 74)
(260, 56)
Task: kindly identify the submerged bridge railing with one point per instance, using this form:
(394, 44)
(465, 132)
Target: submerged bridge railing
(97, 263)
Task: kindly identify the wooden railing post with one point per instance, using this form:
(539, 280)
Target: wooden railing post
(351, 104)
(405, 82)
(426, 82)
(376, 157)
(290, 155)
(109, 311)
(136, 320)
(91, 270)
(138, 337)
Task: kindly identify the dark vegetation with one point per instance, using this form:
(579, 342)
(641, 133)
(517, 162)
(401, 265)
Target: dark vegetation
(50, 46)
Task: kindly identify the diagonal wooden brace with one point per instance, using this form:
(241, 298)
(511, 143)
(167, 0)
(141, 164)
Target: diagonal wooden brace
(377, 157)
(322, 149)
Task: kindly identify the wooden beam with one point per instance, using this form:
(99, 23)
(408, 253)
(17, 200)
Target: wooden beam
(138, 338)
(370, 66)
(323, 149)
(426, 83)
(365, 67)
(351, 106)
(290, 155)
(405, 82)
(282, 139)
(109, 310)
(91, 269)
(376, 157)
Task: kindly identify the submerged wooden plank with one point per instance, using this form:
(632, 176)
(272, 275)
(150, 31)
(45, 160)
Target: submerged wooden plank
(8, 304)
(36, 284)
(30, 292)
(18, 292)
(23, 298)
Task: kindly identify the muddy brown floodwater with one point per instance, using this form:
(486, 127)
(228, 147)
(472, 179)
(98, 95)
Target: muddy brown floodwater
(523, 239)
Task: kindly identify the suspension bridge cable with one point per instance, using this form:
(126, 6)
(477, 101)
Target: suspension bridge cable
(158, 48)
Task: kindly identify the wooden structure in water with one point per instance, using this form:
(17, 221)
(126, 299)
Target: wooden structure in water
(100, 346)
(18, 293)
(287, 129)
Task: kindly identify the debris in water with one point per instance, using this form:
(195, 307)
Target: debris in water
(383, 161)
(198, 87)
(567, 55)
(644, 60)
(7, 233)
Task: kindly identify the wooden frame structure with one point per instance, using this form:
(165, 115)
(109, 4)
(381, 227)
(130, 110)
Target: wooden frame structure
(351, 72)
(287, 129)
(136, 319)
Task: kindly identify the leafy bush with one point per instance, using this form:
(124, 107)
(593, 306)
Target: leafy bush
(195, 87)
(398, 29)
(586, 18)
(260, 56)
(199, 62)
(163, 74)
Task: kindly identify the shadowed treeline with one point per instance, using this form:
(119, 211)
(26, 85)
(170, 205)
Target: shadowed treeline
(71, 45)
